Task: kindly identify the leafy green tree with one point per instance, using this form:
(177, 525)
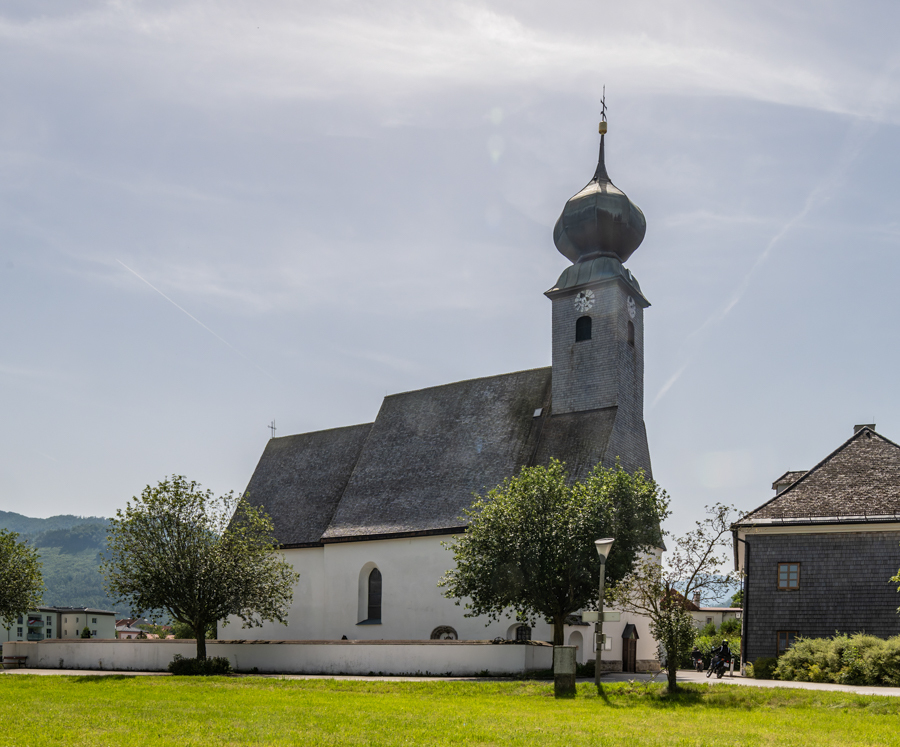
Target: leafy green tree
(738, 599)
(21, 585)
(529, 544)
(731, 626)
(85, 632)
(660, 591)
(198, 557)
(181, 630)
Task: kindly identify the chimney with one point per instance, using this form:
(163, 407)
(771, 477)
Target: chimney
(697, 598)
(858, 428)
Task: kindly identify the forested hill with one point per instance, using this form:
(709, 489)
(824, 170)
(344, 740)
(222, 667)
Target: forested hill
(26, 525)
(70, 548)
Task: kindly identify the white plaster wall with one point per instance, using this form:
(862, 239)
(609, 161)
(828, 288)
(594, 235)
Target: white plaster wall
(340, 657)
(326, 601)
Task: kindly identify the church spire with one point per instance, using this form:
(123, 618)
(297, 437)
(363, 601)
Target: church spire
(600, 174)
(600, 221)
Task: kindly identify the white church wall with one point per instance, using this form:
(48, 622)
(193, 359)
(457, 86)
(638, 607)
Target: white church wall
(306, 617)
(330, 600)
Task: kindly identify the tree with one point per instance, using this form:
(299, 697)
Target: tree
(529, 544)
(738, 599)
(661, 591)
(21, 585)
(85, 632)
(180, 630)
(197, 557)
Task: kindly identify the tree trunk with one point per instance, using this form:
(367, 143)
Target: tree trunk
(200, 635)
(672, 671)
(559, 633)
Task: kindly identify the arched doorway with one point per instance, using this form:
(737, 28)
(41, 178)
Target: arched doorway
(629, 648)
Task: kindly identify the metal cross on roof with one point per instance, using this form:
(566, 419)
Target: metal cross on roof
(272, 428)
(603, 105)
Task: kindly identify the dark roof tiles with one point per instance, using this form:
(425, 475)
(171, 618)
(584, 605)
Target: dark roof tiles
(417, 467)
(429, 450)
(299, 480)
(861, 478)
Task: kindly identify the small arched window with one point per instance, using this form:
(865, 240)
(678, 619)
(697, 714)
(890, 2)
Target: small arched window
(583, 329)
(375, 596)
(631, 333)
(523, 633)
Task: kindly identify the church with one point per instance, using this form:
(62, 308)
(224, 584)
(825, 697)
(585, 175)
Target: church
(362, 512)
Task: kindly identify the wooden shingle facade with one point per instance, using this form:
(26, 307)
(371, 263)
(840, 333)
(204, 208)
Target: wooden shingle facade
(819, 556)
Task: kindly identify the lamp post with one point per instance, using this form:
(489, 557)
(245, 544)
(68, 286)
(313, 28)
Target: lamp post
(603, 546)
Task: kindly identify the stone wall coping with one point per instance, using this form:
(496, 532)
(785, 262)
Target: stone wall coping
(250, 642)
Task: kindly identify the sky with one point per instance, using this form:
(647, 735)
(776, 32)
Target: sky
(214, 215)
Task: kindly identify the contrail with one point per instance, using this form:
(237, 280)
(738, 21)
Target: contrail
(860, 133)
(185, 311)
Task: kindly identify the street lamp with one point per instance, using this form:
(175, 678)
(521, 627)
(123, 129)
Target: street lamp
(603, 546)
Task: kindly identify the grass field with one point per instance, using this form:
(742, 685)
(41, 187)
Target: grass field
(256, 711)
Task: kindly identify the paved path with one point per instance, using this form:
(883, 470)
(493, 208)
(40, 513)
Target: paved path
(700, 678)
(683, 676)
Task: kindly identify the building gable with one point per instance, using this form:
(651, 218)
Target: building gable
(860, 479)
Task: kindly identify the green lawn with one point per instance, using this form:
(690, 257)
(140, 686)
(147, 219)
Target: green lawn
(131, 711)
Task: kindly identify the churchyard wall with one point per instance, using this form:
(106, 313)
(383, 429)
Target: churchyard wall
(459, 658)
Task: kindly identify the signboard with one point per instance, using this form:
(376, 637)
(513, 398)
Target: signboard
(591, 616)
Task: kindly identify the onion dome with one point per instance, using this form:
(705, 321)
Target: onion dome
(600, 221)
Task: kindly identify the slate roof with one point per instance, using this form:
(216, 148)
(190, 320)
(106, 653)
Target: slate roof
(415, 469)
(300, 479)
(859, 481)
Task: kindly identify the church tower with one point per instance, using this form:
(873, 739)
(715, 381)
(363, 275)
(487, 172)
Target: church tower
(598, 315)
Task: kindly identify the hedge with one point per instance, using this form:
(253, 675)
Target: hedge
(857, 659)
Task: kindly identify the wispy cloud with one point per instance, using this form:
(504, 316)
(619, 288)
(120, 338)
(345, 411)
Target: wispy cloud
(286, 50)
(28, 373)
(860, 132)
(195, 319)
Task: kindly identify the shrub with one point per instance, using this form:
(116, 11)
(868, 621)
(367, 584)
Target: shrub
(857, 659)
(85, 632)
(202, 667)
(883, 662)
(707, 630)
(764, 668)
(730, 627)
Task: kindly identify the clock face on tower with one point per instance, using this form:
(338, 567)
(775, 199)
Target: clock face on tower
(632, 309)
(584, 301)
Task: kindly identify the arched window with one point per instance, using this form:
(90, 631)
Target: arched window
(631, 333)
(375, 595)
(523, 633)
(444, 633)
(583, 328)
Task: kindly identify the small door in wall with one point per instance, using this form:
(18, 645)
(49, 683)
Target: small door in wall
(629, 648)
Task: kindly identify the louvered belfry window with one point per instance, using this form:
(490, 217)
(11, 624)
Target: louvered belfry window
(582, 329)
(375, 595)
